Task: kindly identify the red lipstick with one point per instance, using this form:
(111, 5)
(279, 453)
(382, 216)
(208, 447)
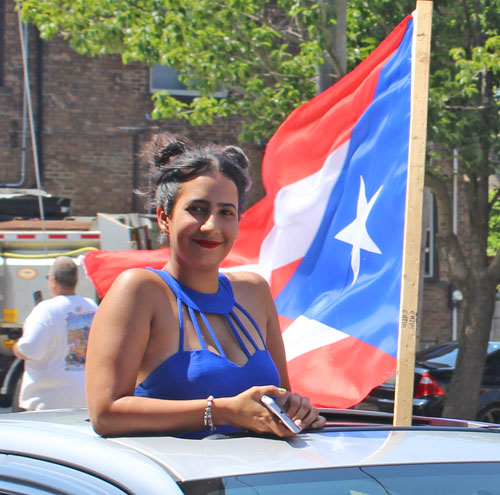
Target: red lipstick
(207, 244)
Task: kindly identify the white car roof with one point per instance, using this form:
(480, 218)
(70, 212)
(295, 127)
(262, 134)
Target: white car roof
(67, 437)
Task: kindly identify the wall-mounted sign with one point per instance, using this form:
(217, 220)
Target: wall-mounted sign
(10, 315)
(27, 273)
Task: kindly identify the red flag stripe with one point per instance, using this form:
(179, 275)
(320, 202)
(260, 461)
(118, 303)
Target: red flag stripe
(325, 374)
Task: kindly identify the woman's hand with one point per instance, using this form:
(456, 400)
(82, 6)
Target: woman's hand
(303, 414)
(246, 411)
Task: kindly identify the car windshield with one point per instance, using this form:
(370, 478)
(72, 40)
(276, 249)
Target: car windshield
(446, 354)
(473, 478)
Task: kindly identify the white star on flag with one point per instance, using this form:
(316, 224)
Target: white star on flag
(356, 234)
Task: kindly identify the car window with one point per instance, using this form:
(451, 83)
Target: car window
(21, 475)
(445, 355)
(414, 479)
(492, 369)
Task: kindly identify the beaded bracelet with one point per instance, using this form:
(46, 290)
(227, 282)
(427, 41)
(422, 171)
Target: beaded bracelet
(207, 419)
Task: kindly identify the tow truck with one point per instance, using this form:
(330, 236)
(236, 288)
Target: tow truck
(28, 248)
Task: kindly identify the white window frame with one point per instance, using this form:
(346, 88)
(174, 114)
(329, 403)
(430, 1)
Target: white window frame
(429, 233)
(163, 77)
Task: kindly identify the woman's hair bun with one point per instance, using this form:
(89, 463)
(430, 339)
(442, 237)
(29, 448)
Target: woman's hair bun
(165, 147)
(174, 160)
(238, 155)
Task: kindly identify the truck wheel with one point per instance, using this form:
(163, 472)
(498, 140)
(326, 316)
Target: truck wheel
(16, 393)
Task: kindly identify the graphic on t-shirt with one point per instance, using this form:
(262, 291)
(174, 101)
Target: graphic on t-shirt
(77, 326)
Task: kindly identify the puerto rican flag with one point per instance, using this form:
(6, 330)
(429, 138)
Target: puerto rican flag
(328, 235)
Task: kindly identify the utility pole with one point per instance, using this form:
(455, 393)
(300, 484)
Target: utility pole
(334, 66)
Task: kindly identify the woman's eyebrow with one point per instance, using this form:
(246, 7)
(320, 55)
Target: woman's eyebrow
(219, 204)
(227, 205)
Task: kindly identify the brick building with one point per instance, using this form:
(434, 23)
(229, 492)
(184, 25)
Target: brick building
(91, 116)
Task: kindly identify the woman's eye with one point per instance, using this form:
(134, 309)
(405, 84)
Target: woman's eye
(228, 212)
(196, 209)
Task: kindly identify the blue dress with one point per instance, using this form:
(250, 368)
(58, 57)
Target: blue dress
(196, 374)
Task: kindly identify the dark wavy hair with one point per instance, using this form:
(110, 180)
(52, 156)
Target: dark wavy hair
(173, 159)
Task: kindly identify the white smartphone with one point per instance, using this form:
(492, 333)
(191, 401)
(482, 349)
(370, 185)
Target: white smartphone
(281, 415)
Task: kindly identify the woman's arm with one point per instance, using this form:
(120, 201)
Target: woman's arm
(117, 345)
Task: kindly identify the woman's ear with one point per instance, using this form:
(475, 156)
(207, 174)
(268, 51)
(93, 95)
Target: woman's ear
(163, 221)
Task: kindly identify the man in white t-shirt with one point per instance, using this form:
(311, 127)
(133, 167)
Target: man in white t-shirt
(54, 344)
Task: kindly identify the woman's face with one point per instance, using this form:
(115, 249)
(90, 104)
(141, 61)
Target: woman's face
(203, 224)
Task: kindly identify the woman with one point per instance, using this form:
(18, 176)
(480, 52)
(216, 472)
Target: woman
(165, 342)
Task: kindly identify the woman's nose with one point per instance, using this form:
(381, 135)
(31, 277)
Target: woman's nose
(210, 222)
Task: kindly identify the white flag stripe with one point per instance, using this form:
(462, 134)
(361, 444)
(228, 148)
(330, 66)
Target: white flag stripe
(298, 211)
(305, 335)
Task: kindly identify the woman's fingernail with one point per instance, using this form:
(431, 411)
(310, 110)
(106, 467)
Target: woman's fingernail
(298, 422)
(282, 390)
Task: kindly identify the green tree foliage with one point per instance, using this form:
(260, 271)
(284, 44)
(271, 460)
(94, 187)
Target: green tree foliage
(265, 54)
(494, 224)
(465, 98)
(464, 106)
(368, 23)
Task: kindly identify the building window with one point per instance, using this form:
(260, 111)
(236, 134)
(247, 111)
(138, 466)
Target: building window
(164, 77)
(429, 231)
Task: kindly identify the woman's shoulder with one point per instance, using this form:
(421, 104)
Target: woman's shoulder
(247, 280)
(136, 279)
(136, 274)
(245, 276)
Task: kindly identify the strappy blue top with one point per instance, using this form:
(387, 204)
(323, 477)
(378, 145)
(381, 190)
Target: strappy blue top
(196, 374)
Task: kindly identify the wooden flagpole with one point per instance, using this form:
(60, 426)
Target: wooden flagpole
(410, 283)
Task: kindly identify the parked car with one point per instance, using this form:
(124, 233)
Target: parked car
(358, 453)
(433, 371)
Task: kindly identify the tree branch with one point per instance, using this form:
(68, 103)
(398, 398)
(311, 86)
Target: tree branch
(449, 248)
(477, 107)
(470, 26)
(476, 188)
